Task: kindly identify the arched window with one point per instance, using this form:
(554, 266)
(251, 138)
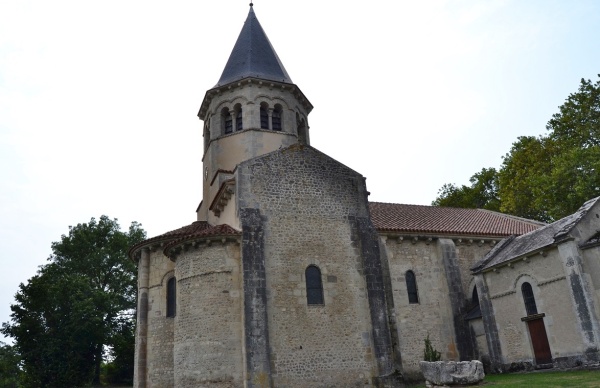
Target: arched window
(475, 297)
(238, 120)
(314, 285)
(411, 287)
(529, 299)
(227, 120)
(264, 117)
(301, 130)
(171, 299)
(277, 118)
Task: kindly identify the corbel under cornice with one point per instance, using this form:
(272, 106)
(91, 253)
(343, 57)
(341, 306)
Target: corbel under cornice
(252, 82)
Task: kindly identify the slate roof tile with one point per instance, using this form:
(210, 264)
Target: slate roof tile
(253, 56)
(519, 246)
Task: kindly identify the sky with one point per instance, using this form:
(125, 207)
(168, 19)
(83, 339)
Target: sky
(99, 100)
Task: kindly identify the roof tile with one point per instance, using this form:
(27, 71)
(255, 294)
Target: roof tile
(397, 217)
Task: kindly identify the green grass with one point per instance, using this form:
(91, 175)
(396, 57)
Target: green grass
(579, 379)
(583, 378)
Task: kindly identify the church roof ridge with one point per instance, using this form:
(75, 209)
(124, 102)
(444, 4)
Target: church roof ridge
(253, 55)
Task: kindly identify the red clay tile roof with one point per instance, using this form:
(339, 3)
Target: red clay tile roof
(218, 230)
(195, 229)
(394, 217)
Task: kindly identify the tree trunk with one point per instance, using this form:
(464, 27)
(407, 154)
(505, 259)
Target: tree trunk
(98, 363)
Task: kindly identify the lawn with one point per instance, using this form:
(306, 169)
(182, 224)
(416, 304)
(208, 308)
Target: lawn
(579, 379)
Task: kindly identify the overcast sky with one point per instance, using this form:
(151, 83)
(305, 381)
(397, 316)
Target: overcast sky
(98, 100)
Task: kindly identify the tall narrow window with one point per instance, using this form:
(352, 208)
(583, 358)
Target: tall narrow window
(227, 120)
(411, 287)
(171, 299)
(264, 118)
(314, 285)
(277, 118)
(238, 120)
(302, 135)
(529, 299)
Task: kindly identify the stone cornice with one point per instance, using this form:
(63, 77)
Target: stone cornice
(225, 192)
(176, 248)
(526, 257)
(252, 82)
(428, 238)
(539, 284)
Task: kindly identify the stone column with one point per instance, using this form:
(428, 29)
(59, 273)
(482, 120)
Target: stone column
(270, 112)
(139, 377)
(233, 121)
(582, 294)
(489, 323)
(368, 239)
(256, 328)
(252, 116)
(389, 298)
(463, 338)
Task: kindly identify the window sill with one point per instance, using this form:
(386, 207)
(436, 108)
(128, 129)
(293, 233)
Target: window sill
(533, 317)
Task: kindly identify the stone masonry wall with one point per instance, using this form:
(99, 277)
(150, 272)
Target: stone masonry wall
(432, 315)
(552, 297)
(469, 251)
(160, 328)
(591, 266)
(208, 331)
(308, 202)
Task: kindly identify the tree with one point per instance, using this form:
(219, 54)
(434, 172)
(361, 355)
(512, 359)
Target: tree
(574, 139)
(78, 305)
(523, 179)
(551, 176)
(10, 370)
(482, 194)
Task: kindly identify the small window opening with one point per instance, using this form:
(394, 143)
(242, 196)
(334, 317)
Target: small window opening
(227, 120)
(314, 285)
(238, 120)
(529, 299)
(277, 118)
(301, 127)
(171, 299)
(411, 287)
(264, 118)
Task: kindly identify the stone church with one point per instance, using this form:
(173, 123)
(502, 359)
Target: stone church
(290, 277)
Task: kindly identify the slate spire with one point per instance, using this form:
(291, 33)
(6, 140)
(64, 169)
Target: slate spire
(253, 56)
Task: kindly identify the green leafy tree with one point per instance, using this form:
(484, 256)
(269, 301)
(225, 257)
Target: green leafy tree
(10, 370)
(546, 177)
(574, 141)
(523, 179)
(550, 177)
(481, 194)
(78, 305)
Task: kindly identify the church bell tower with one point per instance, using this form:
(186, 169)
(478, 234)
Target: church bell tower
(254, 109)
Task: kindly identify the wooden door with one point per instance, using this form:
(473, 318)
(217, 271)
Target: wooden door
(539, 341)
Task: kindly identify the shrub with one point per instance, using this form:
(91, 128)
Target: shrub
(430, 354)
